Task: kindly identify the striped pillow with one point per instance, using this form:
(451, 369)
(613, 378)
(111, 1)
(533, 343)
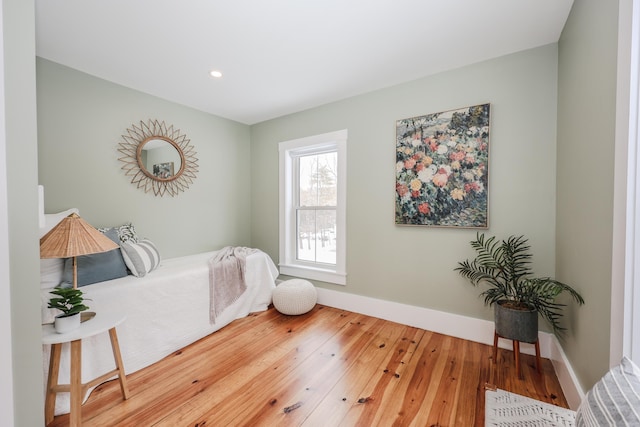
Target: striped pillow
(614, 400)
(141, 258)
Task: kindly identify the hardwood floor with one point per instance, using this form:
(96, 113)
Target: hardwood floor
(328, 367)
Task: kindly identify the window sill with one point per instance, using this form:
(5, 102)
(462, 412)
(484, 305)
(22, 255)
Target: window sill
(319, 274)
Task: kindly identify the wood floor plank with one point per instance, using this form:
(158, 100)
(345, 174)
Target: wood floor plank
(230, 371)
(293, 342)
(329, 367)
(349, 389)
(301, 368)
(467, 404)
(419, 385)
(367, 409)
(443, 408)
(181, 373)
(325, 373)
(154, 375)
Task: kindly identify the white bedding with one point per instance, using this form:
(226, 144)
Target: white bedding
(166, 310)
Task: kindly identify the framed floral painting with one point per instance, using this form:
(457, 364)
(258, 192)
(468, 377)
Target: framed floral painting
(442, 168)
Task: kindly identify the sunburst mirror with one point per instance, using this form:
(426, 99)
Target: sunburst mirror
(158, 158)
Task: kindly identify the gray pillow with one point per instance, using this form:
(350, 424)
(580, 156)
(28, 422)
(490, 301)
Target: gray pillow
(96, 267)
(614, 400)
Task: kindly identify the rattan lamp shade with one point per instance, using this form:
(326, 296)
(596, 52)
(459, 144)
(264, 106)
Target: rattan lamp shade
(73, 237)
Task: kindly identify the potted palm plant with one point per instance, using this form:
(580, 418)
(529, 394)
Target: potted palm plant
(71, 302)
(504, 266)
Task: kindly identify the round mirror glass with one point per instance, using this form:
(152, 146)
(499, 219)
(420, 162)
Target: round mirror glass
(160, 159)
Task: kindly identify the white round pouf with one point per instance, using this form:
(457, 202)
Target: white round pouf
(295, 296)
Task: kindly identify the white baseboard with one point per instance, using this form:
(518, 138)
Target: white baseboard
(458, 326)
(571, 388)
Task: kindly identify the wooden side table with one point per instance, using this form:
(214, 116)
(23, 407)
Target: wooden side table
(102, 322)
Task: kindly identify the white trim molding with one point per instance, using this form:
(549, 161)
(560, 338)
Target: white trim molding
(6, 353)
(458, 326)
(288, 151)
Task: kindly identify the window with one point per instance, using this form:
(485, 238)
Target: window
(313, 207)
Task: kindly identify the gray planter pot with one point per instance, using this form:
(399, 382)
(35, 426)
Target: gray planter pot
(519, 325)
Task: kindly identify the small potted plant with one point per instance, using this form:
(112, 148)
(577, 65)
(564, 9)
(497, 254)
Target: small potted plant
(503, 265)
(71, 302)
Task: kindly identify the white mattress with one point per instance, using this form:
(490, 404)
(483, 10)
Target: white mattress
(166, 310)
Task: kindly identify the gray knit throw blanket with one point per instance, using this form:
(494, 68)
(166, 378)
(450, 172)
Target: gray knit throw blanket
(226, 278)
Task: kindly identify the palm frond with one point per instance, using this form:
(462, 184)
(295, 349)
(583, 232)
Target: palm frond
(504, 266)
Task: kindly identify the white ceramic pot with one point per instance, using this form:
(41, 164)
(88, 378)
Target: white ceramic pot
(67, 323)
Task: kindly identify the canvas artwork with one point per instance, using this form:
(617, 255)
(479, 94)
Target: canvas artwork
(442, 168)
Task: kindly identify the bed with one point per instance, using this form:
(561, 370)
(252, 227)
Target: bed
(165, 310)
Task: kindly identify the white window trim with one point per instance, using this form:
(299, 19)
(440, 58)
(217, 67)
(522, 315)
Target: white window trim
(288, 264)
(625, 289)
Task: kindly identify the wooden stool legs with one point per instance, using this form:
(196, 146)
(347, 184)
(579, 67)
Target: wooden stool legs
(76, 389)
(119, 365)
(52, 383)
(516, 353)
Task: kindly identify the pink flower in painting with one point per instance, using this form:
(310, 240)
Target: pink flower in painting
(415, 194)
(402, 190)
(424, 208)
(419, 155)
(472, 186)
(409, 164)
(457, 156)
(419, 166)
(431, 143)
(440, 179)
(469, 159)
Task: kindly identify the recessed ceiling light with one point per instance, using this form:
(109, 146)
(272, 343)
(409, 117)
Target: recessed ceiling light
(215, 73)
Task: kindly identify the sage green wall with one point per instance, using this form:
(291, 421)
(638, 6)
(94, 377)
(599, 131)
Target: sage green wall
(22, 207)
(414, 265)
(80, 121)
(586, 130)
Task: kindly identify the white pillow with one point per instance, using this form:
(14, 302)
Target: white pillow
(51, 269)
(51, 272)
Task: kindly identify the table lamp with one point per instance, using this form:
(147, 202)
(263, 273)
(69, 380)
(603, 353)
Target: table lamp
(73, 237)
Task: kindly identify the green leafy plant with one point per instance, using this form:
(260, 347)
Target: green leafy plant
(504, 266)
(70, 301)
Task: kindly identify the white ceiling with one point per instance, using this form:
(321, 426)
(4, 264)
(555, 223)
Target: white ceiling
(283, 56)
